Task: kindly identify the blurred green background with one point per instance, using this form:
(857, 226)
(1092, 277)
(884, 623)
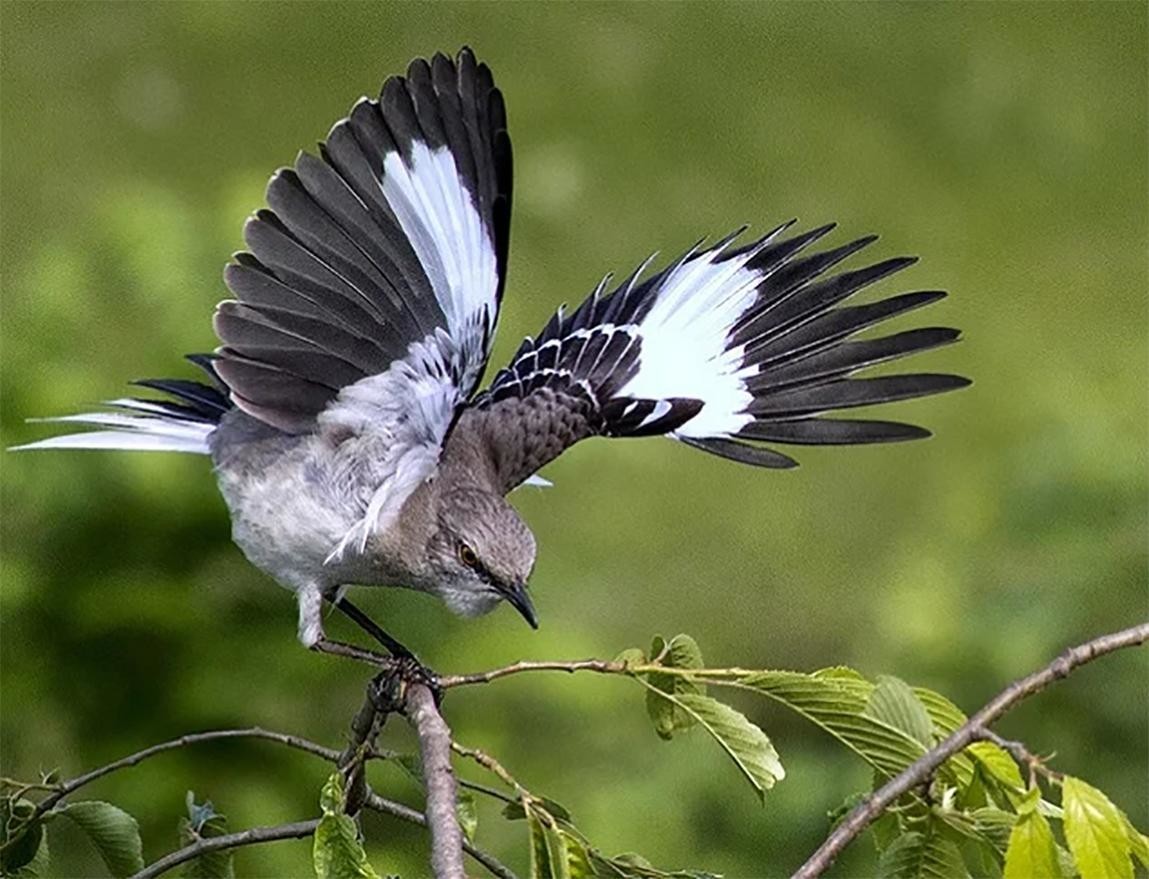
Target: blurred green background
(1003, 143)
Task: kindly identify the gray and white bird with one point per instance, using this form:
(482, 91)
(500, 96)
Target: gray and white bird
(343, 418)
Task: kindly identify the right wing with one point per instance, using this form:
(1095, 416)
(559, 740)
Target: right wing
(722, 347)
(396, 236)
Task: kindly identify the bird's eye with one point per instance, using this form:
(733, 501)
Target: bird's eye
(467, 556)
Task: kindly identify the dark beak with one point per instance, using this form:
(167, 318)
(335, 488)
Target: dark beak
(520, 601)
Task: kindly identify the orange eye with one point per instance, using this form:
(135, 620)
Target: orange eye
(467, 556)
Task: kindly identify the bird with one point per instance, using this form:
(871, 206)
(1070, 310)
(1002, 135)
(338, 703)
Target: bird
(342, 408)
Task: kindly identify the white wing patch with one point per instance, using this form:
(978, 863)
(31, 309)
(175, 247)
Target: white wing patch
(437, 214)
(398, 420)
(684, 343)
(155, 431)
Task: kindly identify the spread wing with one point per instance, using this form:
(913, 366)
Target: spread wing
(722, 349)
(395, 235)
(367, 305)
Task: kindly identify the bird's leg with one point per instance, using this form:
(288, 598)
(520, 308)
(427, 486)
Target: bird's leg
(403, 663)
(310, 598)
(371, 627)
(339, 648)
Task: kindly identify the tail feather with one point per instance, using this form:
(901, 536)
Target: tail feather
(182, 424)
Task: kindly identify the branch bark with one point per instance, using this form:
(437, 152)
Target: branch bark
(254, 836)
(973, 730)
(376, 803)
(71, 785)
(439, 781)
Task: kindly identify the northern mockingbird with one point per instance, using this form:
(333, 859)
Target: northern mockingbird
(343, 416)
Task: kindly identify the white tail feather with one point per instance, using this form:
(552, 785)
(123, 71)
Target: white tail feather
(684, 341)
(139, 433)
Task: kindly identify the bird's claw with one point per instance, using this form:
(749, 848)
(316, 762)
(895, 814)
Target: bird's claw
(389, 687)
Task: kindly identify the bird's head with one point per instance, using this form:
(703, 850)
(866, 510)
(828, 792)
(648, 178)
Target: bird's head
(480, 554)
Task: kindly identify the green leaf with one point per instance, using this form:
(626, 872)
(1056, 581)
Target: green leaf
(203, 822)
(557, 853)
(836, 699)
(1032, 852)
(632, 656)
(465, 807)
(633, 866)
(1095, 831)
(995, 825)
(19, 838)
(37, 868)
(894, 703)
(945, 716)
(514, 811)
(113, 832)
(744, 742)
(681, 652)
(1138, 842)
(337, 852)
(467, 811)
(540, 852)
(922, 856)
(998, 764)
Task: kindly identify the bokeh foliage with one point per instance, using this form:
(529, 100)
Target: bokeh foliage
(1004, 144)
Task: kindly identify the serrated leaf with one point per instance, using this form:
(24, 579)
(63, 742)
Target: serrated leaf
(922, 856)
(1001, 767)
(744, 742)
(995, 825)
(557, 854)
(681, 652)
(1138, 842)
(514, 811)
(38, 867)
(1032, 853)
(336, 850)
(465, 807)
(540, 854)
(894, 703)
(632, 656)
(944, 714)
(203, 822)
(19, 839)
(836, 699)
(113, 832)
(633, 866)
(467, 811)
(1095, 831)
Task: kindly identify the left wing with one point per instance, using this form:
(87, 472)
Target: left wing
(722, 349)
(366, 307)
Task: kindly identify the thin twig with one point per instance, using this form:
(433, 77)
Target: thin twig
(922, 768)
(1022, 756)
(439, 780)
(485, 677)
(254, 836)
(64, 788)
(483, 789)
(22, 787)
(377, 803)
(491, 765)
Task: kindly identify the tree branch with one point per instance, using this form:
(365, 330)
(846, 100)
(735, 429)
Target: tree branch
(376, 803)
(439, 781)
(64, 788)
(972, 730)
(485, 677)
(254, 836)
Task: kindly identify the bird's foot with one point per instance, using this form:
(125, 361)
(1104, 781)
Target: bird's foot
(389, 687)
